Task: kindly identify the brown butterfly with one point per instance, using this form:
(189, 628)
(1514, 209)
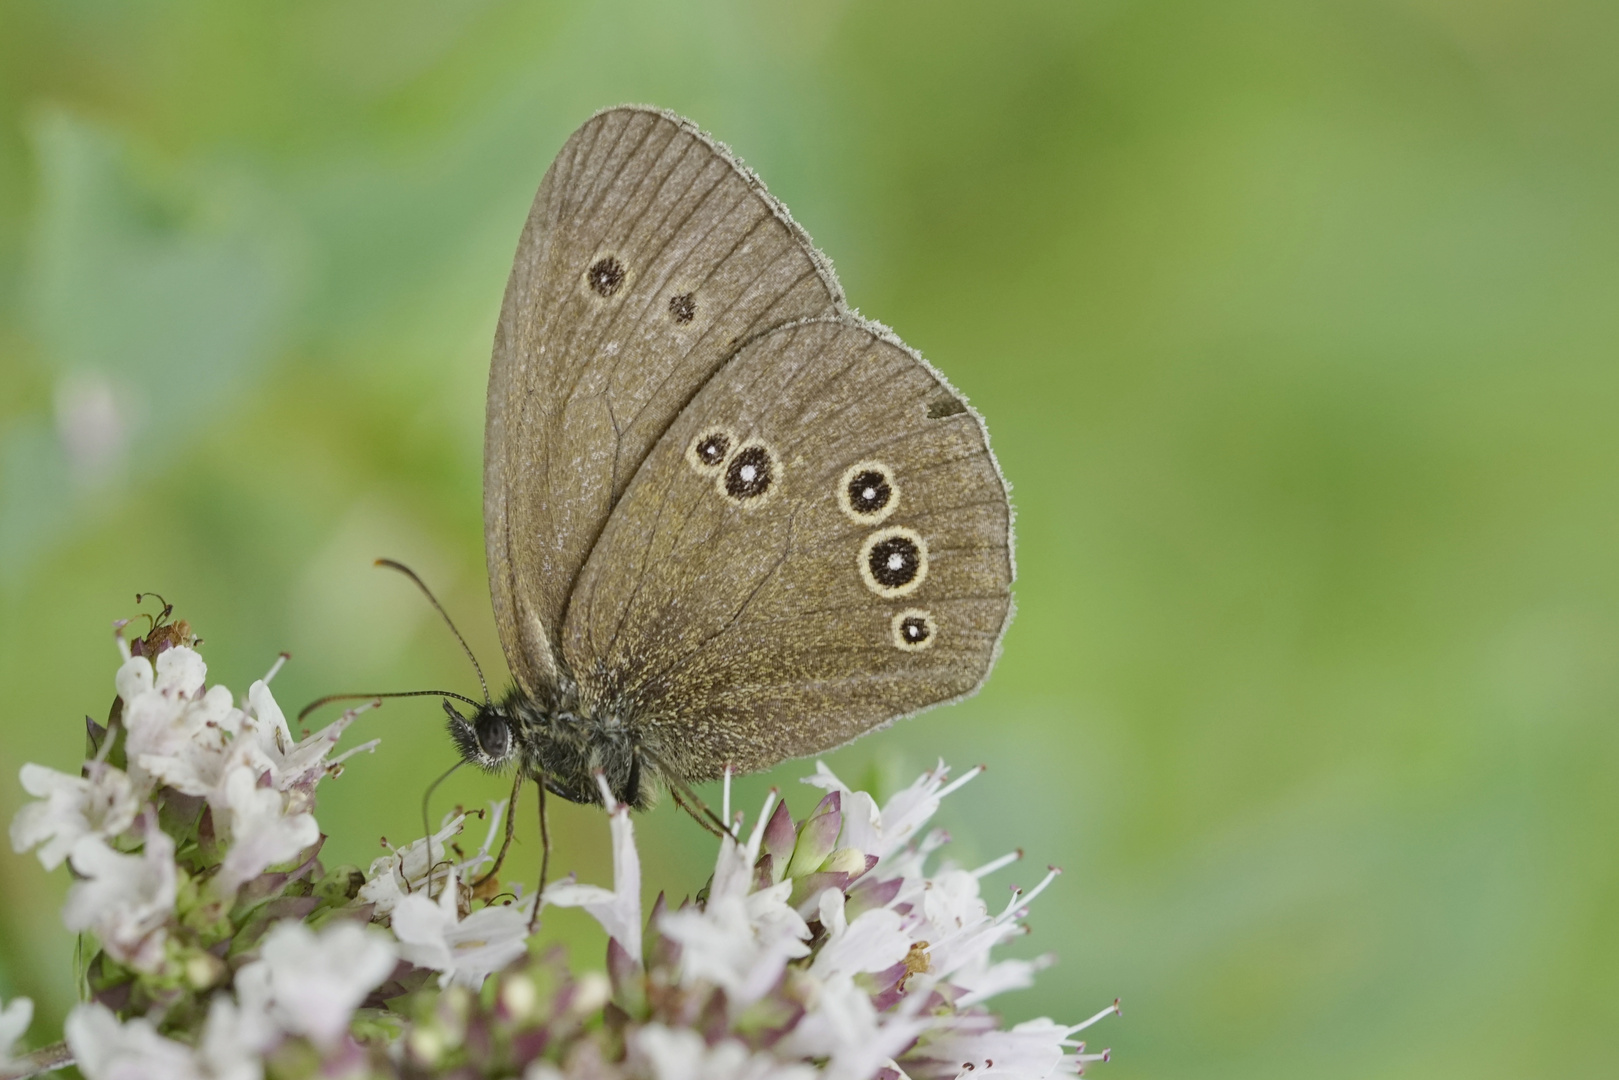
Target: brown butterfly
(728, 520)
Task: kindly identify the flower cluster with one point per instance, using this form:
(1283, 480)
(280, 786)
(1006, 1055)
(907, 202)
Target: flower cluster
(832, 947)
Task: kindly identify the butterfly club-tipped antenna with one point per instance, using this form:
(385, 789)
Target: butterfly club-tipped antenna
(483, 684)
(445, 615)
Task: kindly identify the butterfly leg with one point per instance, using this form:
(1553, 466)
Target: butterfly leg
(545, 857)
(687, 799)
(511, 827)
(710, 822)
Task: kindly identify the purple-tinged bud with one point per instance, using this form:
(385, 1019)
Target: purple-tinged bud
(817, 836)
(778, 841)
(870, 894)
(847, 861)
(807, 891)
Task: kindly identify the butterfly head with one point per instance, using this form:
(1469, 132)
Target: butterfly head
(485, 738)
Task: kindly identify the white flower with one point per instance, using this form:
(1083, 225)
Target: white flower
(14, 1021)
(294, 767)
(842, 1025)
(466, 950)
(103, 804)
(874, 941)
(741, 940)
(104, 1049)
(1033, 1050)
(177, 732)
(263, 830)
(902, 817)
(125, 900)
(405, 870)
(194, 741)
(234, 1040)
(670, 1054)
(618, 910)
(962, 934)
(312, 984)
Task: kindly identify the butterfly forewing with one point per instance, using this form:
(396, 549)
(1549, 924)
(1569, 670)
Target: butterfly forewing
(649, 256)
(818, 543)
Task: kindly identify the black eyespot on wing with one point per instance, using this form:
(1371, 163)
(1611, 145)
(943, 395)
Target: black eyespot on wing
(914, 629)
(894, 561)
(750, 473)
(712, 448)
(605, 275)
(683, 307)
(709, 449)
(869, 491)
(948, 406)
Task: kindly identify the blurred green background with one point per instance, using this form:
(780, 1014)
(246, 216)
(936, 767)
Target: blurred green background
(1294, 325)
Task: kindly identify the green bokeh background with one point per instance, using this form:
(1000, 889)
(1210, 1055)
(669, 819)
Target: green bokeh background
(1294, 325)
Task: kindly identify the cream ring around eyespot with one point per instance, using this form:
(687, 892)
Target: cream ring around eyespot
(867, 492)
(711, 464)
(914, 629)
(894, 561)
(752, 475)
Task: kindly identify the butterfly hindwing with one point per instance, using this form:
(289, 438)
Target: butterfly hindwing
(820, 542)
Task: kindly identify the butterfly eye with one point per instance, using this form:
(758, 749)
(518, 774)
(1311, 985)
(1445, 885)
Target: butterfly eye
(867, 492)
(893, 561)
(914, 629)
(751, 475)
(494, 737)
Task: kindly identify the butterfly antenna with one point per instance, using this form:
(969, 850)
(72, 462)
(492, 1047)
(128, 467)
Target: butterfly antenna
(329, 698)
(431, 599)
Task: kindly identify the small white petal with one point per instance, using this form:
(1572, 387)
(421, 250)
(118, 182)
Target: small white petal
(316, 982)
(104, 1049)
(405, 871)
(125, 900)
(134, 678)
(180, 670)
(233, 1041)
(873, 942)
(14, 1021)
(466, 950)
(682, 1054)
(104, 804)
(842, 1025)
(618, 911)
(262, 832)
(1033, 1050)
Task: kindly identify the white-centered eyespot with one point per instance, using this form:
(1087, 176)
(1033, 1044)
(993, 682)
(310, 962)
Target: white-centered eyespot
(867, 492)
(707, 452)
(894, 561)
(751, 475)
(914, 629)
